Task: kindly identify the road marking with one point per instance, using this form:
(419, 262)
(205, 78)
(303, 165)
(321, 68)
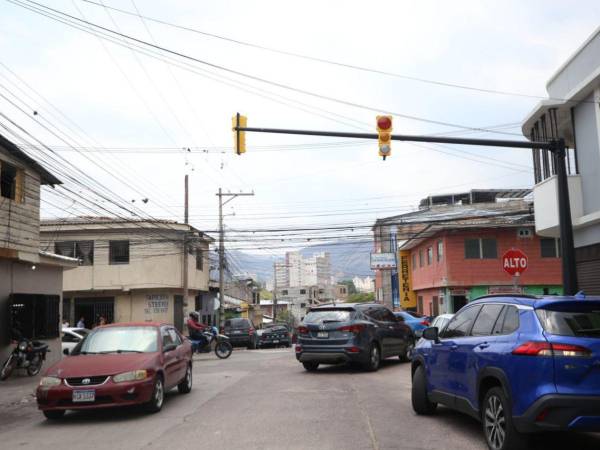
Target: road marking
(366, 416)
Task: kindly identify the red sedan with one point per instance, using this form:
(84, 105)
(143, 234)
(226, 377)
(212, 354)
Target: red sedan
(118, 365)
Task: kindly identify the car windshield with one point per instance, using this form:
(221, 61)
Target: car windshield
(120, 340)
(583, 323)
(81, 332)
(415, 314)
(328, 315)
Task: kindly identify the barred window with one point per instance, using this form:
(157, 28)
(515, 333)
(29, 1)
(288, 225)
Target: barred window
(118, 252)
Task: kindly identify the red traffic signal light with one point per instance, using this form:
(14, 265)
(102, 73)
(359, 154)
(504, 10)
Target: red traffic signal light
(384, 123)
(384, 135)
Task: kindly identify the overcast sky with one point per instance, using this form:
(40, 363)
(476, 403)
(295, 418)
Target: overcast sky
(145, 111)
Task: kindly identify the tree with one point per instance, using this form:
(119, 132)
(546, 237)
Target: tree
(361, 297)
(350, 285)
(266, 295)
(287, 317)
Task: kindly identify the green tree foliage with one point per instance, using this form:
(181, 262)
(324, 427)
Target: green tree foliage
(266, 295)
(361, 297)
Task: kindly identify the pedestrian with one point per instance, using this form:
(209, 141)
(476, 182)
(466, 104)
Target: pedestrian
(81, 323)
(102, 321)
(65, 323)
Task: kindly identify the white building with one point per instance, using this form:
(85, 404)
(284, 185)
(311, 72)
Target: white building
(366, 284)
(572, 113)
(316, 270)
(281, 275)
(293, 261)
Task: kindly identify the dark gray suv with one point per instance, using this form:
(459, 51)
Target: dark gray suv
(359, 333)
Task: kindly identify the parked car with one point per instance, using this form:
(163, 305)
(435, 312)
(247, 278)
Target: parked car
(72, 336)
(359, 333)
(118, 365)
(519, 364)
(415, 321)
(441, 321)
(241, 332)
(275, 335)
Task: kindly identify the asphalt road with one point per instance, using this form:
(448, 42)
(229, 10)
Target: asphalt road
(265, 400)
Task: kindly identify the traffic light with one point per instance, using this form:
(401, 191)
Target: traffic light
(239, 137)
(384, 131)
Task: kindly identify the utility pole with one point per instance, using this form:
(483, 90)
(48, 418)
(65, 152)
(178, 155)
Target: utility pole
(185, 243)
(222, 203)
(274, 292)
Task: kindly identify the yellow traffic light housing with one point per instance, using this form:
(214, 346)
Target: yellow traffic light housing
(239, 137)
(384, 138)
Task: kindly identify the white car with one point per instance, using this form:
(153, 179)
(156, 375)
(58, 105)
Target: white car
(72, 337)
(441, 321)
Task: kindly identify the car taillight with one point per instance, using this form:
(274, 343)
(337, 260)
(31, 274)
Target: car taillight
(250, 331)
(357, 328)
(302, 330)
(425, 322)
(353, 350)
(298, 348)
(533, 348)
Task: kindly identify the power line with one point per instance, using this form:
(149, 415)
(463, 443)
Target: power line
(245, 75)
(332, 62)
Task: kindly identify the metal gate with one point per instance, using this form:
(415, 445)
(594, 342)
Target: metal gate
(91, 309)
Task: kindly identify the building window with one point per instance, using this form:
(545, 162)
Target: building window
(284, 292)
(429, 255)
(524, 233)
(440, 250)
(481, 248)
(199, 259)
(35, 316)
(302, 305)
(11, 182)
(550, 247)
(118, 252)
(302, 291)
(414, 261)
(82, 250)
(420, 258)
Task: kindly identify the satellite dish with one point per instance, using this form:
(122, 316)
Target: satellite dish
(216, 304)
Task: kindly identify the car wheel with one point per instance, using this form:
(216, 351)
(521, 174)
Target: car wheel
(420, 402)
(310, 366)
(9, 366)
(374, 358)
(158, 396)
(185, 386)
(408, 351)
(498, 428)
(54, 415)
(252, 345)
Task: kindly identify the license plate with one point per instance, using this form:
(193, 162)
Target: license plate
(322, 334)
(84, 396)
(236, 331)
(275, 341)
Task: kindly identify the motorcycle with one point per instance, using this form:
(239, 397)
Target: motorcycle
(214, 340)
(28, 355)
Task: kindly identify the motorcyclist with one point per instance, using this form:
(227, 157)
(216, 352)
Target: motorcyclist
(196, 329)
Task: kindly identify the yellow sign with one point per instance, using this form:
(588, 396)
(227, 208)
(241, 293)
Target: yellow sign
(408, 298)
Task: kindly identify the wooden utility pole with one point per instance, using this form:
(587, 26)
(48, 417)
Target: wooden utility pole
(222, 203)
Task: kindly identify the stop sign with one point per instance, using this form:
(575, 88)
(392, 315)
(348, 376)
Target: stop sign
(514, 262)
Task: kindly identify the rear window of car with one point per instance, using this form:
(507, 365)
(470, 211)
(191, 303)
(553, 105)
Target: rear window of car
(582, 323)
(328, 315)
(238, 323)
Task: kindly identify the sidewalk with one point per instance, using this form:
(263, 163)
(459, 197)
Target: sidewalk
(19, 389)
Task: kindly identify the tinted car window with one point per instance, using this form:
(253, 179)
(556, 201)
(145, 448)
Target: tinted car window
(375, 313)
(461, 323)
(511, 320)
(500, 322)
(175, 336)
(386, 315)
(328, 315)
(239, 323)
(486, 320)
(70, 338)
(571, 323)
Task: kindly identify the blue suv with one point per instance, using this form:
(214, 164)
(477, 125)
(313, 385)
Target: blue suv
(519, 364)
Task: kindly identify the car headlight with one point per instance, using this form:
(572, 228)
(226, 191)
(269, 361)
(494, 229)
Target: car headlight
(23, 346)
(134, 375)
(50, 381)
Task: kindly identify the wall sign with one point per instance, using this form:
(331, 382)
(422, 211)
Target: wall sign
(156, 304)
(408, 297)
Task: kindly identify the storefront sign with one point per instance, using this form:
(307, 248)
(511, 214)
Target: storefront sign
(383, 261)
(505, 290)
(408, 298)
(458, 291)
(157, 304)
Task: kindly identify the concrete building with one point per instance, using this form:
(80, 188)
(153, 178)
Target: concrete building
(365, 285)
(572, 113)
(293, 261)
(316, 270)
(30, 279)
(281, 275)
(450, 253)
(130, 270)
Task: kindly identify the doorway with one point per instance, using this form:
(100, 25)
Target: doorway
(458, 301)
(92, 308)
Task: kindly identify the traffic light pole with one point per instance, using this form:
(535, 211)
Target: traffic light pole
(557, 147)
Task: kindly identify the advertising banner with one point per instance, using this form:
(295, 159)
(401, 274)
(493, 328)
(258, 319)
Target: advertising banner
(408, 298)
(383, 261)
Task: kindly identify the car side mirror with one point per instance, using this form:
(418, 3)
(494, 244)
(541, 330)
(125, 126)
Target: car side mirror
(169, 348)
(431, 334)
(66, 352)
